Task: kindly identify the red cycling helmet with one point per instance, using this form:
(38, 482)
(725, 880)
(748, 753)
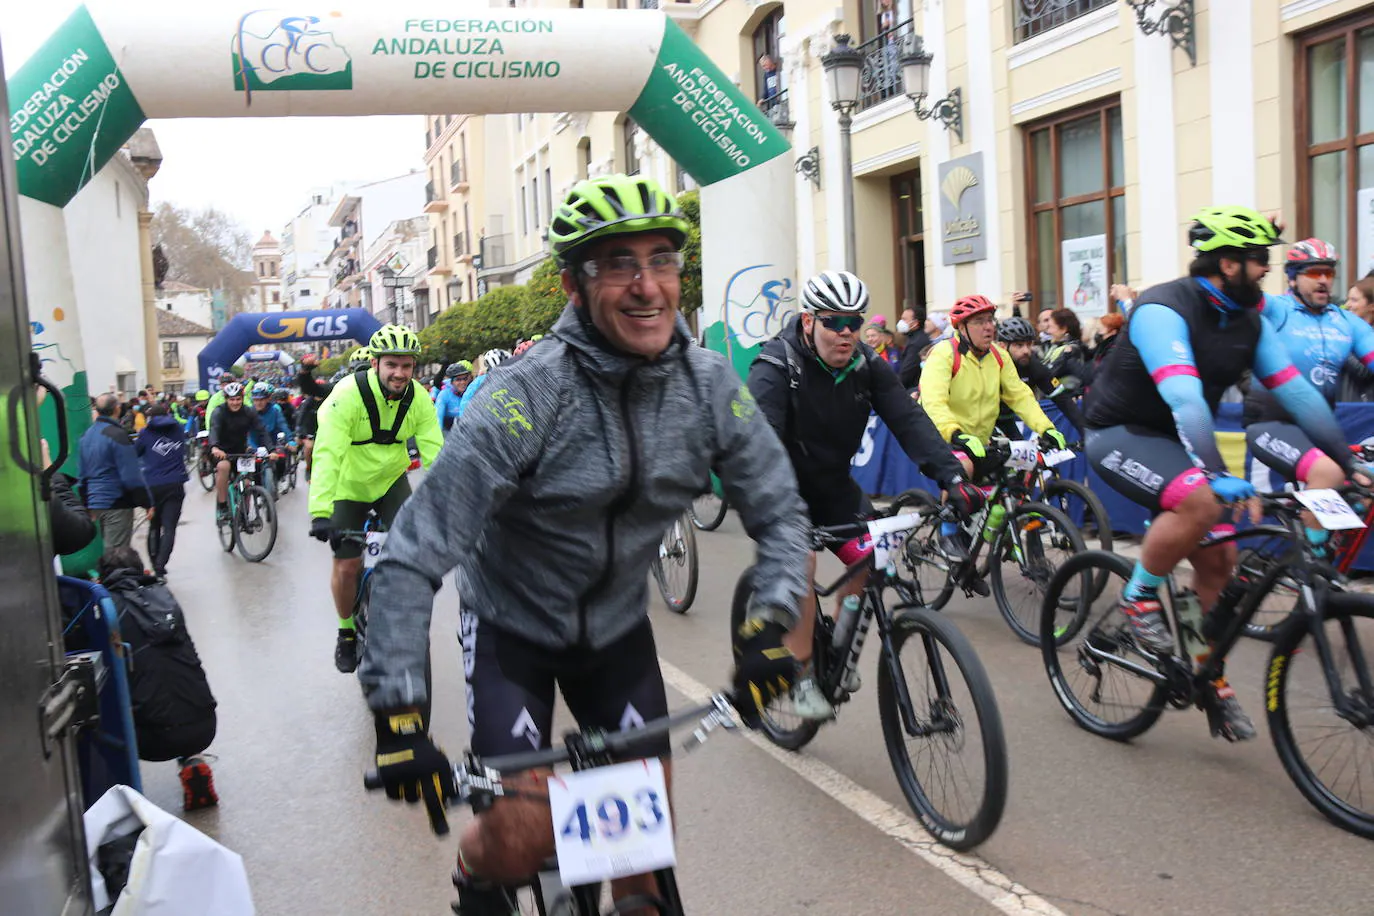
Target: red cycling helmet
(1311, 253)
(969, 306)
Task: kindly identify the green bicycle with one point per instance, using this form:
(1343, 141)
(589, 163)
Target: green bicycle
(251, 522)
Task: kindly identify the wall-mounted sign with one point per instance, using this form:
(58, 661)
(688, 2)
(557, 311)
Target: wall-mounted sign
(1084, 275)
(962, 238)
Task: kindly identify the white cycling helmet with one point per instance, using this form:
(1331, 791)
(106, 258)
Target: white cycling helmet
(835, 291)
(233, 390)
(493, 358)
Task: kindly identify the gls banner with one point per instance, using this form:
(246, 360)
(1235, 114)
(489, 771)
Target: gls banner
(246, 329)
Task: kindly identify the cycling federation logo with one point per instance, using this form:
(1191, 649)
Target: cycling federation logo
(274, 51)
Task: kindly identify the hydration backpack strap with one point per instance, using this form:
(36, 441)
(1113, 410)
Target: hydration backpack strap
(380, 436)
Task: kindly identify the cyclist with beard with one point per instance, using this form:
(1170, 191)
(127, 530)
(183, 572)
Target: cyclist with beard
(1018, 336)
(1318, 338)
(1150, 411)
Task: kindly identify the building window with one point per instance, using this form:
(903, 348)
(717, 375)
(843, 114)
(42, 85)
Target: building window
(909, 222)
(524, 211)
(276, 297)
(584, 167)
(548, 193)
(534, 199)
(171, 354)
(1036, 16)
(1075, 193)
(768, 62)
(1335, 88)
(627, 139)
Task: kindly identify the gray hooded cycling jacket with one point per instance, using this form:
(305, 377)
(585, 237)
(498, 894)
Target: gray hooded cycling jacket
(553, 491)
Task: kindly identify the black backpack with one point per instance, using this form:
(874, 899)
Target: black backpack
(791, 365)
(173, 708)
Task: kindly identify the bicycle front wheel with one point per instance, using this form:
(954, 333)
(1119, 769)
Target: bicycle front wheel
(709, 509)
(779, 722)
(257, 524)
(226, 525)
(1281, 601)
(1035, 541)
(1325, 741)
(675, 570)
(1098, 673)
(951, 757)
(205, 473)
(921, 556)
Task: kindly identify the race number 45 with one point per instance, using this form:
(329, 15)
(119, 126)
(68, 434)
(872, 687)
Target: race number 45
(611, 822)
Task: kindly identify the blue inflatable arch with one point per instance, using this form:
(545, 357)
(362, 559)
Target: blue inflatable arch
(245, 330)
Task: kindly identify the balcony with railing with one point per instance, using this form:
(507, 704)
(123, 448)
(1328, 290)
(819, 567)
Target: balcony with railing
(460, 247)
(493, 252)
(777, 110)
(457, 181)
(1036, 16)
(436, 267)
(435, 201)
(880, 76)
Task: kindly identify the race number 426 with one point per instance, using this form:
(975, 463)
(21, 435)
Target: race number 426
(611, 822)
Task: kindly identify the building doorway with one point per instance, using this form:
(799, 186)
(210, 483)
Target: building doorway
(910, 255)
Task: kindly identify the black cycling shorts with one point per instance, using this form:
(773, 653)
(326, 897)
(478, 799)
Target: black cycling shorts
(350, 515)
(1144, 465)
(839, 502)
(1282, 447)
(511, 685)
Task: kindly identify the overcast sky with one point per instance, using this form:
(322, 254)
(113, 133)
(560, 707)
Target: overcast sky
(260, 170)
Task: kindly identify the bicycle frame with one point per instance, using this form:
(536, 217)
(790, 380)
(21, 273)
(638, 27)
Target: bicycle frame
(832, 669)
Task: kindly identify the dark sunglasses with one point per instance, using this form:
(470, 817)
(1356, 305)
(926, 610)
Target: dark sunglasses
(840, 323)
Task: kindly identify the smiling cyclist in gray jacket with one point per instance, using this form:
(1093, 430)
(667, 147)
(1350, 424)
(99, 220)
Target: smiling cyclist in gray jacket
(551, 503)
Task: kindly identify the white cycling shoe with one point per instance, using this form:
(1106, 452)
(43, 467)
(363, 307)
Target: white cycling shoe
(807, 700)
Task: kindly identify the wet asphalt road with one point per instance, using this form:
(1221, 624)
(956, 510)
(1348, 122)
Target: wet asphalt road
(1174, 823)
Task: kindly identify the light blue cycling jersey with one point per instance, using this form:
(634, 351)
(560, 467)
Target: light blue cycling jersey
(448, 406)
(1319, 341)
(274, 422)
(468, 395)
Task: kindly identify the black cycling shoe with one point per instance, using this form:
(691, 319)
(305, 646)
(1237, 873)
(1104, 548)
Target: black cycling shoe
(346, 651)
(1224, 715)
(482, 899)
(977, 584)
(955, 547)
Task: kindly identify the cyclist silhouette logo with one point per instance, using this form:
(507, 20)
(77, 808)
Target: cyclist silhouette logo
(277, 52)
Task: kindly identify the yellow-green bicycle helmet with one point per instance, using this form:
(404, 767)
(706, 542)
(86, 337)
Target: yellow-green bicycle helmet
(613, 205)
(1231, 227)
(393, 340)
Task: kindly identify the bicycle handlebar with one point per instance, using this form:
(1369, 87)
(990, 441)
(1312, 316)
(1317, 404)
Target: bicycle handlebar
(719, 712)
(825, 535)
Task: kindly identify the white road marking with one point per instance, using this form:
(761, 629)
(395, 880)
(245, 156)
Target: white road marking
(972, 872)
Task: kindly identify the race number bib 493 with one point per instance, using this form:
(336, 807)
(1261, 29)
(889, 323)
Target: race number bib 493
(611, 822)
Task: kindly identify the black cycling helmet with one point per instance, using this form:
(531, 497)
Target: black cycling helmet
(1015, 330)
(281, 394)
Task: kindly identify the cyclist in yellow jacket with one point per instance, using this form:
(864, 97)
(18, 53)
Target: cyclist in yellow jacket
(964, 383)
(361, 459)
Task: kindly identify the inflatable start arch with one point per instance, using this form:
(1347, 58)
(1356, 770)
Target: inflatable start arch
(249, 328)
(113, 64)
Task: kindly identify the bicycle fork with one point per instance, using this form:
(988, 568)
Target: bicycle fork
(913, 726)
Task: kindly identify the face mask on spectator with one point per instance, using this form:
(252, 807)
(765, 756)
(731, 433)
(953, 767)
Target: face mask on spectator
(903, 326)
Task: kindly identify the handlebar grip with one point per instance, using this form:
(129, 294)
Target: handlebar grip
(372, 781)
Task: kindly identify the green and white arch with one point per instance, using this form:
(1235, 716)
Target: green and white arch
(114, 64)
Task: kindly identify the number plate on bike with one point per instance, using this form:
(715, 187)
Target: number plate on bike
(889, 534)
(1023, 455)
(611, 822)
(373, 548)
(246, 465)
(1330, 508)
(1058, 456)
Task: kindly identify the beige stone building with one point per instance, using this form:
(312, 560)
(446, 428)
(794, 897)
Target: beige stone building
(1081, 148)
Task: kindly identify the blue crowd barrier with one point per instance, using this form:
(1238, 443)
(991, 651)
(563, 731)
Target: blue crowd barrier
(883, 469)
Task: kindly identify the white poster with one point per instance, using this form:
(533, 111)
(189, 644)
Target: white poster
(1364, 232)
(1084, 275)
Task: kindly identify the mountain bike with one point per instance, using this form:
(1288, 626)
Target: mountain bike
(251, 522)
(1342, 550)
(675, 569)
(1319, 687)
(936, 698)
(1017, 543)
(709, 509)
(372, 538)
(205, 462)
(616, 819)
(290, 461)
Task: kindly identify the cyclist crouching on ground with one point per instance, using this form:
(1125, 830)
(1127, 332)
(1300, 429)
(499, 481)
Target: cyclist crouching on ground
(571, 463)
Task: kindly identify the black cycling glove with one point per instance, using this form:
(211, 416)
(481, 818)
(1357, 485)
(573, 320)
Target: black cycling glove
(411, 767)
(965, 499)
(764, 667)
(320, 528)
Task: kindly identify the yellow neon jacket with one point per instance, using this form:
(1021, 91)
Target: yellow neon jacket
(342, 470)
(971, 400)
